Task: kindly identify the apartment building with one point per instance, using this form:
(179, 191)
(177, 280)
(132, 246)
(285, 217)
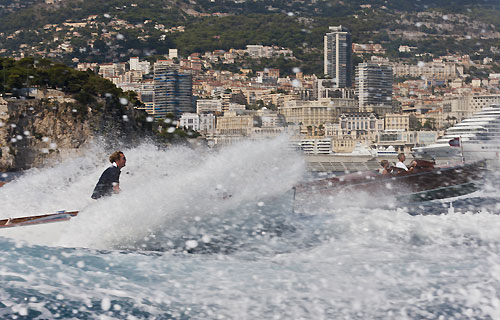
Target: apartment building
(373, 48)
(235, 123)
(337, 58)
(460, 107)
(111, 70)
(374, 87)
(172, 90)
(84, 66)
(207, 124)
(145, 93)
(136, 65)
(354, 128)
(316, 113)
(270, 119)
(315, 146)
(405, 141)
(209, 106)
(346, 144)
(326, 88)
(235, 126)
(190, 121)
(430, 70)
(397, 122)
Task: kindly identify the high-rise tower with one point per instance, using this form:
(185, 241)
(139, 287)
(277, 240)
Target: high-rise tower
(173, 91)
(338, 56)
(374, 87)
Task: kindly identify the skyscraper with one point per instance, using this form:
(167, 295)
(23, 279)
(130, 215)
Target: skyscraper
(173, 92)
(374, 87)
(338, 56)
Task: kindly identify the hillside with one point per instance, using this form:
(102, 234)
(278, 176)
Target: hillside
(64, 110)
(99, 31)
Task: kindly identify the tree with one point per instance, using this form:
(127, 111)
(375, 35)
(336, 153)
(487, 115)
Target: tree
(414, 123)
(430, 124)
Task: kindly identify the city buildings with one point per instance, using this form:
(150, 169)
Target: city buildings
(326, 115)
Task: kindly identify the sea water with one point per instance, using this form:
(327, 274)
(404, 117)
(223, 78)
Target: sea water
(204, 234)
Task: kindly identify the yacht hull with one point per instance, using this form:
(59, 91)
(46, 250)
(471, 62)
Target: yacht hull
(470, 152)
(474, 138)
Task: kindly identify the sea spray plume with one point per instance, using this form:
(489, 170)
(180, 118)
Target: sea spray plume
(321, 195)
(53, 187)
(59, 184)
(65, 185)
(166, 187)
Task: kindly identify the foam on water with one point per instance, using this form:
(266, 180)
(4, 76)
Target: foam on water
(160, 189)
(171, 247)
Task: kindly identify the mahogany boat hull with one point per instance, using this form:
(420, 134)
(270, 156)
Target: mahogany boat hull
(418, 185)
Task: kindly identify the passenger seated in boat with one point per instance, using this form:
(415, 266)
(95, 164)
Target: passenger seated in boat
(401, 163)
(386, 167)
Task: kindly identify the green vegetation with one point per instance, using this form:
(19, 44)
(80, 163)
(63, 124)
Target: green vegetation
(237, 31)
(297, 25)
(335, 8)
(38, 15)
(44, 73)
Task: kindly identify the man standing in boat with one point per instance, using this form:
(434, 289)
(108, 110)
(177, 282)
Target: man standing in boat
(401, 163)
(109, 182)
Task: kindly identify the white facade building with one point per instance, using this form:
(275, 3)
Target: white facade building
(173, 53)
(207, 124)
(315, 146)
(190, 121)
(136, 65)
(255, 50)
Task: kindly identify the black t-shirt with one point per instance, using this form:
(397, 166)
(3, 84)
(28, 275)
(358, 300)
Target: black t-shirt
(104, 186)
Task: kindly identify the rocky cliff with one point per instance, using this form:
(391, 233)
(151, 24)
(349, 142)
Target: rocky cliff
(34, 131)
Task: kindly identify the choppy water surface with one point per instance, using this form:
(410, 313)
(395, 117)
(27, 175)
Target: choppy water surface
(173, 245)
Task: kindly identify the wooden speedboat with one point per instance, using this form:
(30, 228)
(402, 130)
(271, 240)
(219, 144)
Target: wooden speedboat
(421, 183)
(40, 219)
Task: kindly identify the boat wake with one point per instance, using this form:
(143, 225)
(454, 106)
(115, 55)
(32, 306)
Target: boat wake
(239, 199)
(197, 234)
(166, 195)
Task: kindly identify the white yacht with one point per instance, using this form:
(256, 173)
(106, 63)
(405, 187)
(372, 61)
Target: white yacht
(360, 150)
(479, 138)
(389, 151)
